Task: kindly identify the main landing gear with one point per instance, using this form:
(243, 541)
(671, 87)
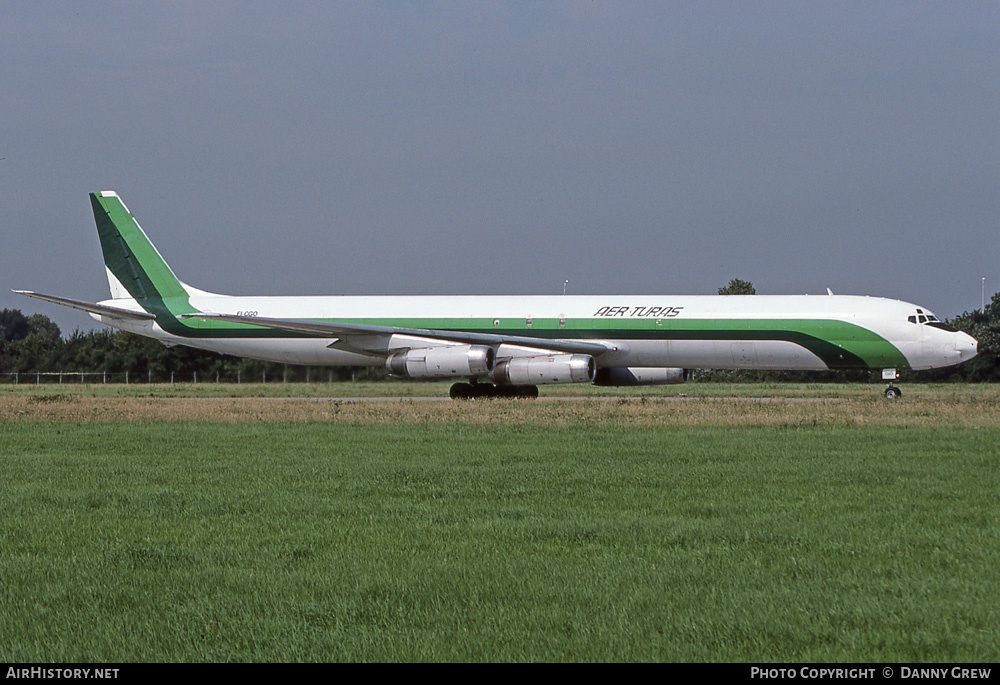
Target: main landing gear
(475, 391)
(892, 392)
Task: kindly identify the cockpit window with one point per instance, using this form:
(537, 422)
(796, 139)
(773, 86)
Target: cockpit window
(943, 326)
(921, 317)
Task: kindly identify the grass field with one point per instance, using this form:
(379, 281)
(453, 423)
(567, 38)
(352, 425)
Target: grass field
(409, 388)
(142, 526)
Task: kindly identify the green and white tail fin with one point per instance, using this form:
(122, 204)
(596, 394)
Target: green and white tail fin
(136, 270)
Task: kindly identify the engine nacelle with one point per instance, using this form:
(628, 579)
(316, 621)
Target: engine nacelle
(544, 369)
(446, 361)
(641, 375)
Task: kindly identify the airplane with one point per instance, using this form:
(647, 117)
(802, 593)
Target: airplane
(508, 346)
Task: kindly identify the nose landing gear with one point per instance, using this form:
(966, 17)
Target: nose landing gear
(892, 392)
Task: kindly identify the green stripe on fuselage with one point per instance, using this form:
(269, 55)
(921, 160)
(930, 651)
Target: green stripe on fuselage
(838, 344)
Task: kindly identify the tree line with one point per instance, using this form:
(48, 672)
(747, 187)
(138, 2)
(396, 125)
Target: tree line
(34, 345)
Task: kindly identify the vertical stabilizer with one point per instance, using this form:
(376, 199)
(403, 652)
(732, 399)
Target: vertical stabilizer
(135, 268)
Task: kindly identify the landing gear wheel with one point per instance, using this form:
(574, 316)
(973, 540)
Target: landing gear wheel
(478, 391)
(517, 392)
(461, 391)
(528, 392)
(892, 392)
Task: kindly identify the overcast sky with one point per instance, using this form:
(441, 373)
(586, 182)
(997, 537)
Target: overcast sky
(502, 148)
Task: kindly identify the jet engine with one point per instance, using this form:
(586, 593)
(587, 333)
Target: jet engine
(470, 361)
(545, 369)
(639, 375)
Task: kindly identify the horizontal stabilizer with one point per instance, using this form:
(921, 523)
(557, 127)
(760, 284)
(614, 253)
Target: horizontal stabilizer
(102, 309)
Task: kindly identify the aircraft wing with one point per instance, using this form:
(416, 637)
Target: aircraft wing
(373, 339)
(102, 309)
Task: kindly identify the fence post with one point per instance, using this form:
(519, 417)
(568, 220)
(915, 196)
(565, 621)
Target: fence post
(195, 376)
(105, 377)
(126, 376)
(171, 378)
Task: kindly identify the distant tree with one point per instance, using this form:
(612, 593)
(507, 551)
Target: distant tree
(87, 351)
(984, 326)
(44, 326)
(738, 287)
(39, 350)
(13, 325)
(35, 344)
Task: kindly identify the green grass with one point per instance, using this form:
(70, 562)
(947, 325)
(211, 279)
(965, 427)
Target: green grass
(556, 533)
(408, 388)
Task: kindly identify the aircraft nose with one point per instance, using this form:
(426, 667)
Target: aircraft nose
(966, 346)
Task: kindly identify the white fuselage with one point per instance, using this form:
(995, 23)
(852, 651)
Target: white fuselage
(723, 332)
